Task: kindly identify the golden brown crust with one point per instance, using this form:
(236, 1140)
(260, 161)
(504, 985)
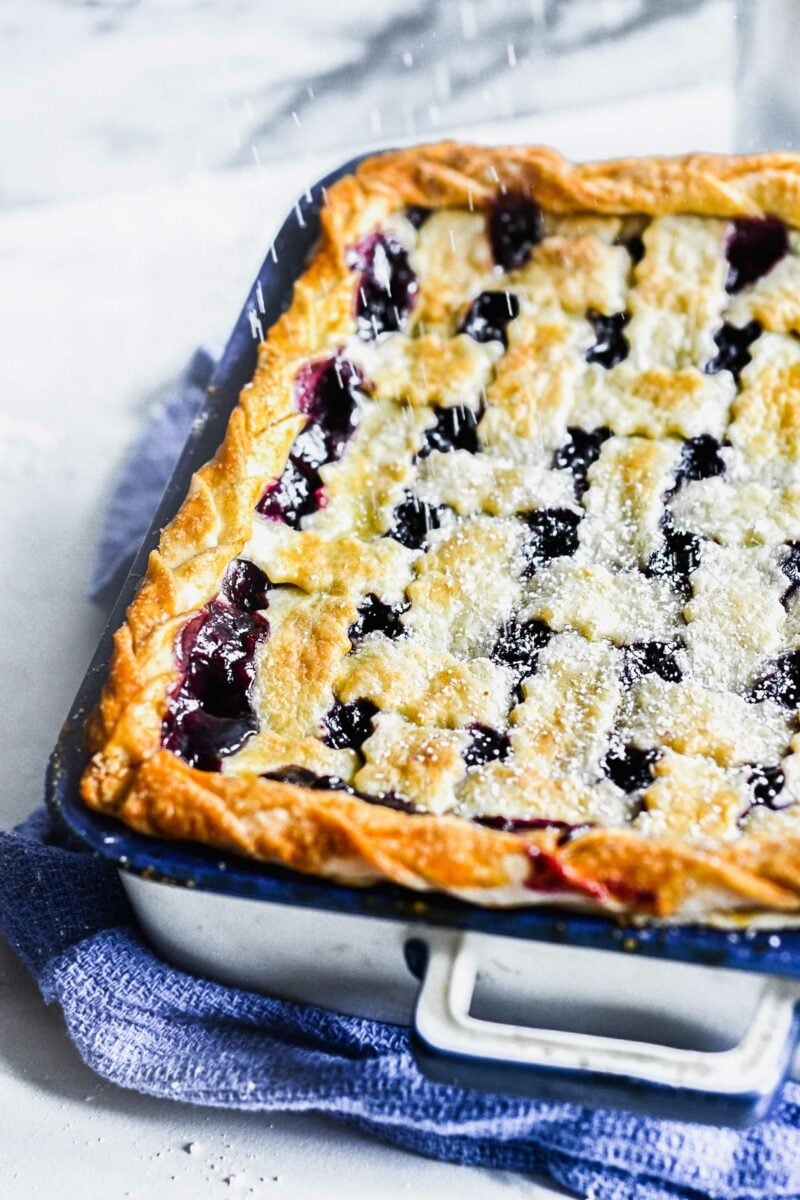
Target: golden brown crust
(341, 836)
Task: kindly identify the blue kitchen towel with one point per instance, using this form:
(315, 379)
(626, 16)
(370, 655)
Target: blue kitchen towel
(145, 1025)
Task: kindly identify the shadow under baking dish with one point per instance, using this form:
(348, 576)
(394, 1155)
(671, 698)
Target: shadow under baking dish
(193, 936)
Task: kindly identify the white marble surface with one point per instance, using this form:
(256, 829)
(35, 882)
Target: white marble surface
(111, 94)
(104, 296)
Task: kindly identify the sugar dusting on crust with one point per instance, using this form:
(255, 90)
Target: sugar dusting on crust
(624, 557)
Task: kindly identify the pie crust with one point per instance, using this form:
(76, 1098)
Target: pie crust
(704, 839)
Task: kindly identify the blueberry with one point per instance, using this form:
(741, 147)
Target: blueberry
(566, 829)
(220, 666)
(578, 454)
(202, 739)
(456, 428)
(486, 745)
(733, 348)
(766, 784)
(553, 533)
(388, 800)
(646, 658)
(417, 215)
(629, 767)
(635, 247)
(329, 394)
(675, 560)
(302, 777)
(347, 726)
(518, 645)
(246, 586)
(488, 316)
(294, 496)
(700, 459)
(413, 520)
(387, 288)
(753, 246)
(210, 715)
(376, 617)
(780, 681)
(515, 227)
(790, 565)
(610, 344)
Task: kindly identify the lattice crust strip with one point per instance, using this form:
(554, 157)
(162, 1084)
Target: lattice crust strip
(510, 536)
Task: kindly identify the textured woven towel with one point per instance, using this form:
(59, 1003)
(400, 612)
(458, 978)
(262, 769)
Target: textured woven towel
(146, 1026)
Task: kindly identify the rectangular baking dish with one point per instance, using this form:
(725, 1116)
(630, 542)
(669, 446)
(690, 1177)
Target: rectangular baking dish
(681, 1021)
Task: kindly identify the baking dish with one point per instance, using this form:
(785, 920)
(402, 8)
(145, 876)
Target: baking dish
(263, 928)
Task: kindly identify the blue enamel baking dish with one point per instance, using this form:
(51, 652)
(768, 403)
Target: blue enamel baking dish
(682, 1021)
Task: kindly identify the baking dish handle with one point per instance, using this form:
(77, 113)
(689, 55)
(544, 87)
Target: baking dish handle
(734, 1086)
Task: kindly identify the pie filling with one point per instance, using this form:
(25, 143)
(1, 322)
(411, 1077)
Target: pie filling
(534, 557)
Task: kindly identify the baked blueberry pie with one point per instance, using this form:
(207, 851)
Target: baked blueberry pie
(492, 587)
